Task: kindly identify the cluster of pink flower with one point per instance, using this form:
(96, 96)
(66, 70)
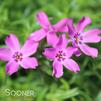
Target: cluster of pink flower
(58, 52)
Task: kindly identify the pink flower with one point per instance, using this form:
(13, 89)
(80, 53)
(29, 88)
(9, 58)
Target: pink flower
(61, 56)
(48, 30)
(15, 55)
(79, 38)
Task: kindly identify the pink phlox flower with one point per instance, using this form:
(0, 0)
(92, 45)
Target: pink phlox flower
(48, 30)
(61, 56)
(80, 38)
(15, 55)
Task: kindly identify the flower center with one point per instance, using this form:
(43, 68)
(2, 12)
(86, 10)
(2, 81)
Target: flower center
(77, 39)
(61, 55)
(17, 56)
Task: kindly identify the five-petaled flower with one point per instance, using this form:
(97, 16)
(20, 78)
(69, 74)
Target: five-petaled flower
(61, 56)
(79, 38)
(15, 55)
(48, 30)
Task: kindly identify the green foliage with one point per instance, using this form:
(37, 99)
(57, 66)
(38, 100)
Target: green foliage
(18, 17)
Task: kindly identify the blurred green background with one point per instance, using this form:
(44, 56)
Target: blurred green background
(18, 17)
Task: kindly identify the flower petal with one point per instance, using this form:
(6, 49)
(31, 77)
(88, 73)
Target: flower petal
(11, 67)
(42, 18)
(29, 48)
(61, 26)
(12, 42)
(57, 69)
(83, 23)
(78, 53)
(52, 39)
(71, 51)
(62, 42)
(29, 62)
(50, 53)
(5, 54)
(71, 65)
(71, 28)
(91, 36)
(93, 52)
(38, 35)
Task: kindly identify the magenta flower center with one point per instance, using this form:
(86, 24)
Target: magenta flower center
(61, 55)
(17, 56)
